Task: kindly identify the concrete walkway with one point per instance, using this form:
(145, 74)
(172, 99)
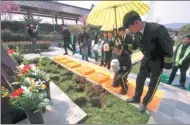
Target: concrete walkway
(174, 108)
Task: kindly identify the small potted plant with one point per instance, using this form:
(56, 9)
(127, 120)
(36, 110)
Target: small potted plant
(32, 101)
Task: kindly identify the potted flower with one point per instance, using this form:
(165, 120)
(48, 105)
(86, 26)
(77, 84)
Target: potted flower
(4, 100)
(32, 101)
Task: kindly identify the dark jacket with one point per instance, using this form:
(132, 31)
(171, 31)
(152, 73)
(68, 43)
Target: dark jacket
(156, 45)
(125, 61)
(83, 40)
(128, 43)
(31, 32)
(66, 36)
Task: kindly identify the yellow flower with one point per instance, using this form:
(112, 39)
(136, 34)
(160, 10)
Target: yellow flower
(32, 86)
(43, 86)
(5, 94)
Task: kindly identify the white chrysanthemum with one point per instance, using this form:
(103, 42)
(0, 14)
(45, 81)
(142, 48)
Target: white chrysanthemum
(33, 67)
(26, 90)
(22, 66)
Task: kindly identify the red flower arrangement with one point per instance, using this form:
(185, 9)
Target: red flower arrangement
(11, 51)
(16, 93)
(25, 69)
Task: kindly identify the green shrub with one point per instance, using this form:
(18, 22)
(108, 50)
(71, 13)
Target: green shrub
(49, 37)
(26, 47)
(7, 36)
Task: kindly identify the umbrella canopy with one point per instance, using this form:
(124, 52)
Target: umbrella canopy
(109, 27)
(112, 12)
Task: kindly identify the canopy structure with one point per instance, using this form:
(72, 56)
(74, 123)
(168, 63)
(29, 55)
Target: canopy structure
(50, 9)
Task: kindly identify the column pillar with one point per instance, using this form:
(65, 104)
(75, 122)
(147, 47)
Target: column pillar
(62, 20)
(55, 19)
(76, 21)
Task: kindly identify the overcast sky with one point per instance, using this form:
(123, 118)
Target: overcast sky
(164, 11)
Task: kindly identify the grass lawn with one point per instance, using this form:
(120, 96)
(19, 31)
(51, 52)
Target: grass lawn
(100, 106)
(135, 68)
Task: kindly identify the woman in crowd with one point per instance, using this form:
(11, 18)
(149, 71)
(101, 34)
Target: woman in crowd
(108, 48)
(95, 46)
(105, 38)
(83, 43)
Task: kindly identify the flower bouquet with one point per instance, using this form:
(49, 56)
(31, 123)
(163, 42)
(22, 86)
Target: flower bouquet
(38, 77)
(16, 56)
(31, 99)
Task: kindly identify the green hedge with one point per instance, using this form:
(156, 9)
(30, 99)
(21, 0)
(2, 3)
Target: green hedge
(20, 26)
(26, 46)
(8, 36)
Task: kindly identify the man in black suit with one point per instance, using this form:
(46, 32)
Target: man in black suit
(66, 36)
(156, 45)
(126, 39)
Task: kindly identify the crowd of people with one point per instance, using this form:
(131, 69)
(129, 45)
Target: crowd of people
(152, 39)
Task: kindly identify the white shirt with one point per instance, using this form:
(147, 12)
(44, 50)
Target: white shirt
(142, 31)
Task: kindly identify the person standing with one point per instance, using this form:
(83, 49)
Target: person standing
(125, 65)
(157, 47)
(73, 39)
(66, 36)
(108, 50)
(104, 40)
(126, 39)
(182, 61)
(95, 45)
(32, 36)
(83, 43)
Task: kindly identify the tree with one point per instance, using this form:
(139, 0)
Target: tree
(34, 20)
(186, 28)
(82, 19)
(6, 8)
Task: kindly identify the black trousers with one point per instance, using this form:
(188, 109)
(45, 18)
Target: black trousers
(120, 78)
(74, 47)
(102, 58)
(67, 46)
(107, 59)
(89, 52)
(152, 69)
(183, 69)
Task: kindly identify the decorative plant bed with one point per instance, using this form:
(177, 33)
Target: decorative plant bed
(101, 107)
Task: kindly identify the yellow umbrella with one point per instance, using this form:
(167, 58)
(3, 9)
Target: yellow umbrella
(112, 12)
(108, 27)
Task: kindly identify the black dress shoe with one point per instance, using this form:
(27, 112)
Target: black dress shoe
(142, 108)
(65, 54)
(133, 100)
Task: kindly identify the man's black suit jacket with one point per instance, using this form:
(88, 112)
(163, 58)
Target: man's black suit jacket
(155, 43)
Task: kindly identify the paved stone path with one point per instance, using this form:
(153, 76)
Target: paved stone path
(174, 107)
